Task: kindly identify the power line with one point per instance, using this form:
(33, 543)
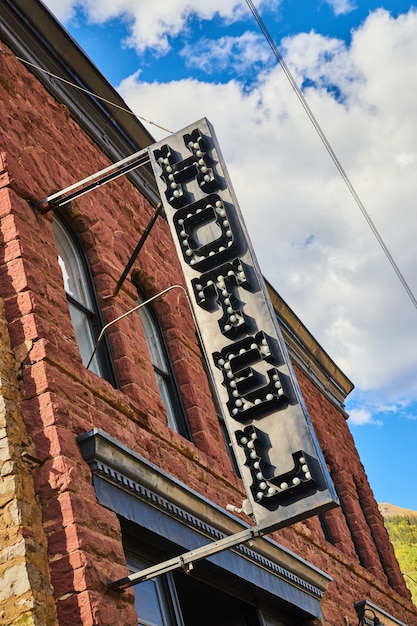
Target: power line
(90, 93)
(329, 149)
(408, 575)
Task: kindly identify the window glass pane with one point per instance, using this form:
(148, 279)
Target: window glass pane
(163, 372)
(153, 603)
(163, 385)
(75, 281)
(80, 300)
(83, 334)
(147, 604)
(154, 342)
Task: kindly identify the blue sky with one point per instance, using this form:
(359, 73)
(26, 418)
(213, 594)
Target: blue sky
(176, 62)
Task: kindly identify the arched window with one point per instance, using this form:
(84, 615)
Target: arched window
(82, 303)
(163, 371)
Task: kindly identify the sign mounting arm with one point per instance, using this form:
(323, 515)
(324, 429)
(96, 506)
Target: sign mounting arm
(186, 560)
(106, 175)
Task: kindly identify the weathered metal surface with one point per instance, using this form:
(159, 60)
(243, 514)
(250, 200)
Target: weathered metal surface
(278, 455)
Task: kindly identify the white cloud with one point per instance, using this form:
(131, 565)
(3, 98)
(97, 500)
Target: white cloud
(362, 417)
(64, 10)
(341, 7)
(405, 159)
(153, 26)
(237, 55)
(340, 284)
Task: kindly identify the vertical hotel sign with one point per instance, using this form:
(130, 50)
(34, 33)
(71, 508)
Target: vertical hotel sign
(282, 467)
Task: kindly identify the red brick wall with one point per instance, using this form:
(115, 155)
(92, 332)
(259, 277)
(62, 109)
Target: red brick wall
(381, 574)
(46, 151)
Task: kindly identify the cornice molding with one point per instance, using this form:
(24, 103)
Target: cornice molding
(114, 463)
(169, 508)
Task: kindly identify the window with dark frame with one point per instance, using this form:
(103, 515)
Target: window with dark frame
(82, 301)
(163, 370)
(178, 599)
(156, 602)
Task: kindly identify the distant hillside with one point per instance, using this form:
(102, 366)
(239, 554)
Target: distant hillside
(401, 525)
(390, 510)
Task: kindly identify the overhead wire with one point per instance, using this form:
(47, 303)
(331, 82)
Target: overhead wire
(329, 149)
(87, 91)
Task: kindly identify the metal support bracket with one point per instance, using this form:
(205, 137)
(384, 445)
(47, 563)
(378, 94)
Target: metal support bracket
(187, 559)
(120, 168)
(138, 248)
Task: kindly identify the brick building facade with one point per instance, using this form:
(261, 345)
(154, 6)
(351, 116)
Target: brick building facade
(124, 464)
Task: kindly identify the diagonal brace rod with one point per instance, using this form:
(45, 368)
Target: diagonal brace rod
(138, 248)
(186, 560)
(102, 177)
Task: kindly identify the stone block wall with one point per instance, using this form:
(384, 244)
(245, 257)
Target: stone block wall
(26, 595)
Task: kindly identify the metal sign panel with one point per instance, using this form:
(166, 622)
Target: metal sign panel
(280, 461)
